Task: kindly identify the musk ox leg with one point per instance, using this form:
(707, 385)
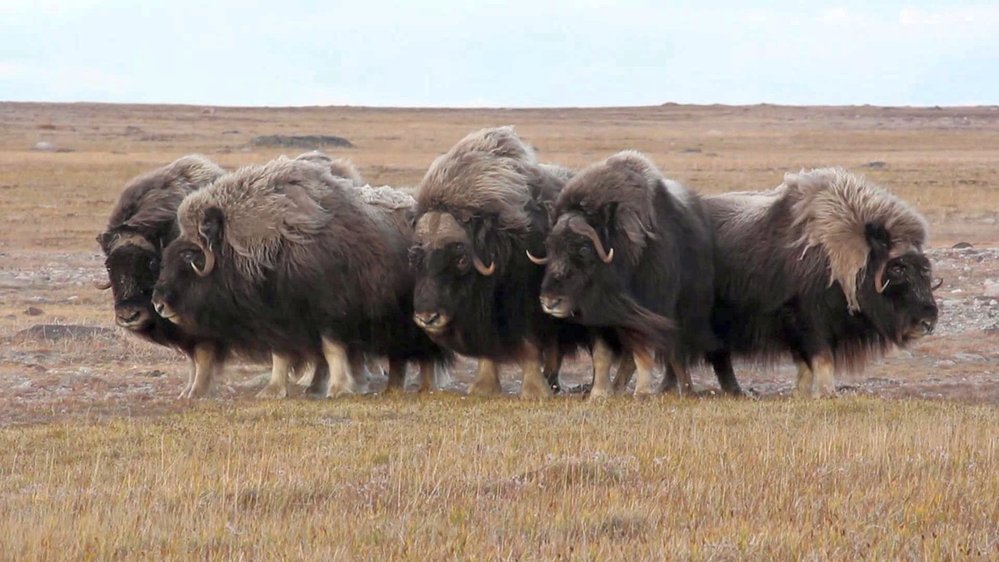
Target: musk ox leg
(644, 361)
(359, 369)
(206, 363)
(396, 374)
(486, 381)
(553, 364)
(825, 376)
(341, 375)
(277, 387)
(372, 365)
(806, 379)
(721, 362)
(428, 376)
(625, 370)
(320, 380)
(669, 383)
(306, 372)
(603, 356)
(681, 377)
(534, 385)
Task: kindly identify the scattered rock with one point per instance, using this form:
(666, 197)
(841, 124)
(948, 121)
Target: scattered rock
(962, 245)
(44, 146)
(944, 363)
(991, 289)
(691, 150)
(155, 373)
(133, 130)
(969, 357)
(55, 332)
(875, 165)
(301, 141)
(33, 311)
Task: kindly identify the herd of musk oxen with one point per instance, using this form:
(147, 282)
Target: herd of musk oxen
(508, 260)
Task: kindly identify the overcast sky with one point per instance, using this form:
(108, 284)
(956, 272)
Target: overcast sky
(513, 54)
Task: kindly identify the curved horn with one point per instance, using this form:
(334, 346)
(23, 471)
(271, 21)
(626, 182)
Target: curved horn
(590, 233)
(209, 264)
(102, 285)
(937, 284)
(537, 261)
(481, 267)
(878, 285)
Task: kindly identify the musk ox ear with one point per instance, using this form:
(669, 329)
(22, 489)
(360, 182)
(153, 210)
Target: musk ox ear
(879, 241)
(210, 228)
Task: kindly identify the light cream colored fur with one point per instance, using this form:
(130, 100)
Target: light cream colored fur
(833, 206)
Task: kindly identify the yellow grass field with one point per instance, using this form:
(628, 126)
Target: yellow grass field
(99, 461)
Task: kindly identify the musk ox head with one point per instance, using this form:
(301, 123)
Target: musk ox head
(235, 231)
(874, 244)
(478, 206)
(604, 221)
(142, 222)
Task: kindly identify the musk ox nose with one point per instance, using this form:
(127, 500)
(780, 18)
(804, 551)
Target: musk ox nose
(158, 306)
(430, 320)
(555, 305)
(130, 316)
(928, 326)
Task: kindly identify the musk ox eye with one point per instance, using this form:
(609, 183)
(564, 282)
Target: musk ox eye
(898, 270)
(584, 251)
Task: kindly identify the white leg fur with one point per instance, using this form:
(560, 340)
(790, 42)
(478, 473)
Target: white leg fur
(305, 378)
(341, 378)
(486, 380)
(806, 379)
(277, 387)
(825, 376)
(534, 385)
(602, 359)
(684, 386)
(428, 376)
(644, 360)
(396, 375)
(205, 366)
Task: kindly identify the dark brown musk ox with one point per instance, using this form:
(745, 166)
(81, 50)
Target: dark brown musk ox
(480, 206)
(288, 258)
(631, 252)
(828, 267)
(142, 222)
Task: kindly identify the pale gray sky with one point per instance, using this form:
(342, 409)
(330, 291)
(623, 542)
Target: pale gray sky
(518, 53)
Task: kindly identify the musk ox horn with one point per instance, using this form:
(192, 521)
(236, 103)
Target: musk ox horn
(481, 267)
(605, 256)
(209, 264)
(878, 285)
(936, 285)
(102, 285)
(537, 261)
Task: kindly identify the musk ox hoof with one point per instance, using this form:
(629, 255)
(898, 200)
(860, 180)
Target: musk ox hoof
(600, 393)
(535, 391)
(644, 393)
(273, 392)
(191, 392)
(485, 388)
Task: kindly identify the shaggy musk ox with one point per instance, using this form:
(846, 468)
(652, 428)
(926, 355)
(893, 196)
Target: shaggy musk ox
(480, 206)
(827, 266)
(631, 252)
(288, 258)
(141, 224)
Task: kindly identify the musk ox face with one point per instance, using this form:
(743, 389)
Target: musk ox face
(132, 263)
(182, 282)
(577, 268)
(906, 286)
(447, 271)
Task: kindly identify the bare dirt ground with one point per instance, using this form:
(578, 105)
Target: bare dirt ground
(53, 202)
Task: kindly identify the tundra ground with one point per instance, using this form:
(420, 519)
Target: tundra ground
(98, 460)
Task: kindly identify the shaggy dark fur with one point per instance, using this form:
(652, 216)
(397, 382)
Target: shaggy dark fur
(655, 290)
(141, 224)
(481, 205)
(298, 256)
(798, 270)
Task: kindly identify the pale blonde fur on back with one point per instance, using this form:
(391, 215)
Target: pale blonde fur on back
(268, 208)
(488, 171)
(832, 207)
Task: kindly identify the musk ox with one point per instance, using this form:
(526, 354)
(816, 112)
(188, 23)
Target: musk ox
(827, 266)
(142, 222)
(631, 253)
(288, 258)
(480, 207)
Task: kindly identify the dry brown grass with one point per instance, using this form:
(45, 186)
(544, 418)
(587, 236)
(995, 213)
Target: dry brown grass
(443, 477)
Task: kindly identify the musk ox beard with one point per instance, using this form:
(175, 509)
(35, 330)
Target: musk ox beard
(142, 222)
(827, 266)
(631, 253)
(288, 258)
(480, 206)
